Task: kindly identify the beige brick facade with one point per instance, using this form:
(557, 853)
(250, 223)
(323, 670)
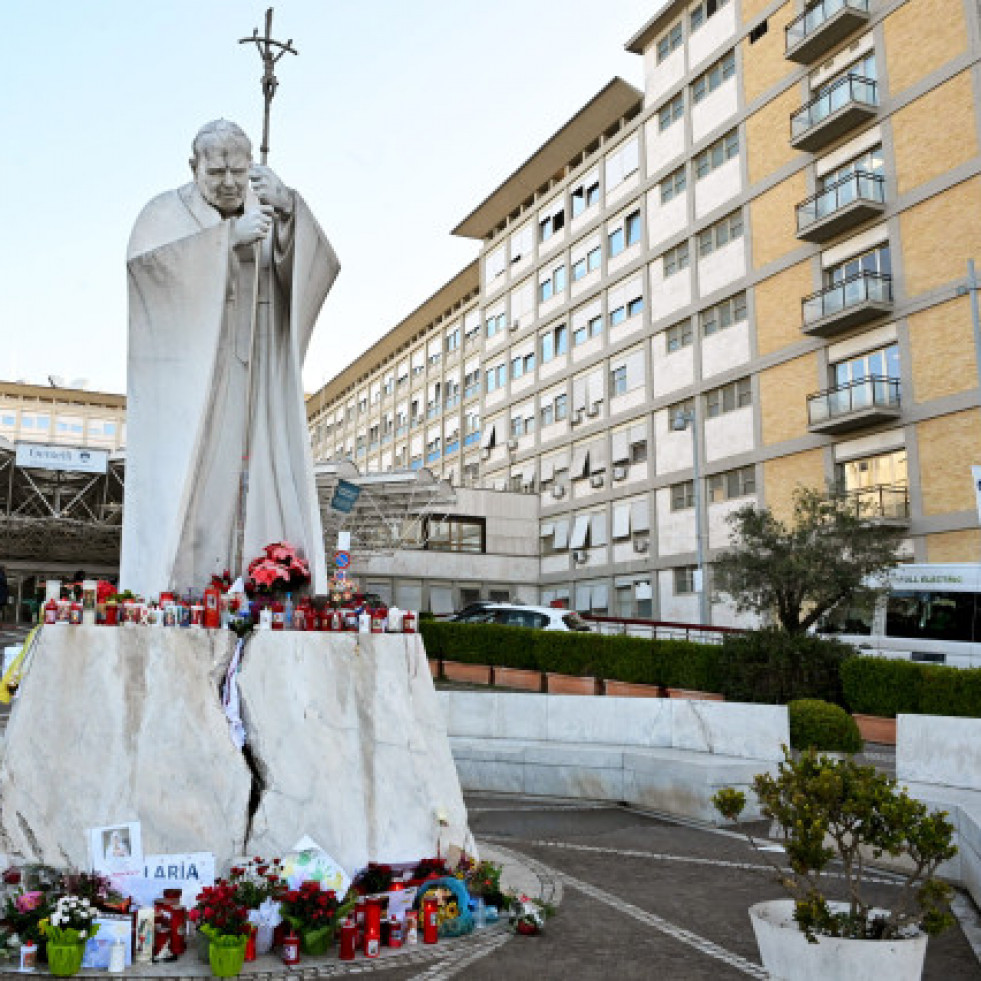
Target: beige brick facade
(773, 220)
(935, 133)
(783, 475)
(954, 546)
(783, 403)
(766, 136)
(778, 316)
(948, 445)
(921, 36)
(764, 63)
(939, 236)
(933, 334)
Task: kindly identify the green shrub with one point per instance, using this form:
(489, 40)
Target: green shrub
(775, 667)
(950, 691)
(879, 686)
(822, 726)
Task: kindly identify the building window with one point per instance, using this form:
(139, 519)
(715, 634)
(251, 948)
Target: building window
(701, 12)
(723, 315)
(717, 154)
(720, 72)
(585, 195)
(495, 324)
(877, 261)
(671, 112)
(882, 363)
(720, 234)
(622, 163)
(553, 285)
(561, 407)
(684, 580)
(685, 409)
(452, 343)
(731, 484)
(670, 42)
(452, 534)
(683, 495)
(554, 343)
(548, 226)
(729, 397)
(548, 414)
(677, 336)
(675, 259)
(618, 381)
(471, 383)
(496, 377)
(673, 185)
(592, 328)
(869, 162)
(522, 365)
(587, 264)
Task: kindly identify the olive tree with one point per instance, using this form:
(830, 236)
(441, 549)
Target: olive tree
(800, 569)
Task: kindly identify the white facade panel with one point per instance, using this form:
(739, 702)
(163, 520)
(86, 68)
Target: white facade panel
(725, 349)
(715, 110)
(714, 32)
(665, 220)
(671, 372)
(671, 294)
(721, 267)
(659, 79)
(675, 529)
(672, 450)
(663, 147)
(721, 185)
(719, 529)
(729, 433)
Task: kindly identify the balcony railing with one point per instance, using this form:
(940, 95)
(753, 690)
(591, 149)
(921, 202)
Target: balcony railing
(822, 26)
(842, 205)
(854, 301)
(840, 107)
(883, 502)
(859, 403)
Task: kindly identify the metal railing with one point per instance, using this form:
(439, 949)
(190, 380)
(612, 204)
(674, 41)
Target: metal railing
(659, 629)
(859, 186)
(866, 393)
(888, 501)
(863, 287)
(816, 16)
(846, 90)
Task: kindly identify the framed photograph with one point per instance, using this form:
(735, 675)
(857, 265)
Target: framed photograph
(117, 849)
(112, 927)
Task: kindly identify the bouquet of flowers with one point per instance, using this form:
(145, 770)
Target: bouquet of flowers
(525, 916)
(256, 881)
(97, 889)
(279, 567)
(373, 879)
(483, 879)
(26, 911)
(429, 868)
(219, 913)
(314, 913)
(71, 921)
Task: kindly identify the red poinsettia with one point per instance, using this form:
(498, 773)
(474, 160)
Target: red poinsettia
(280, 567)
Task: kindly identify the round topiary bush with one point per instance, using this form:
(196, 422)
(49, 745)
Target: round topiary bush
(823, 726)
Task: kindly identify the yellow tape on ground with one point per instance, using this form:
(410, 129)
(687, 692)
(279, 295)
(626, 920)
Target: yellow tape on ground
(11, 679)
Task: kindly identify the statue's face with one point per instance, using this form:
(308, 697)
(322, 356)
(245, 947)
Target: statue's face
(221, 172)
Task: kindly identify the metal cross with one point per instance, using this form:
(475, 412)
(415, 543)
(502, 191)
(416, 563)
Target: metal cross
(268, 81)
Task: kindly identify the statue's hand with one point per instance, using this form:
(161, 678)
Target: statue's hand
(271, 190)
(252, 226)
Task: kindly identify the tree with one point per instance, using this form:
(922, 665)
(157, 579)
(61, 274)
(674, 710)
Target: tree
(827, 554)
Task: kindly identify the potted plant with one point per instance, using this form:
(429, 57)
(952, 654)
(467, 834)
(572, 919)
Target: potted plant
(224, 921)
(259, 888)
(314, 913)
(66, 931)
(837, 810)
(24, 913)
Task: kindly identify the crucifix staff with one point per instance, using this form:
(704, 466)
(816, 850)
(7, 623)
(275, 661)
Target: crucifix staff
(269, 82)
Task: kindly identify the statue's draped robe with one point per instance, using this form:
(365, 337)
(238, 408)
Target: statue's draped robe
(194, 303)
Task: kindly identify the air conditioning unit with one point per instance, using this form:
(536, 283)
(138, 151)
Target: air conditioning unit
(641, 544)
(596, 480)
(558, 490)
(619, 473)
(515, 324)
(576, 417)
(593, 410)
(579, 555)
(512, 444)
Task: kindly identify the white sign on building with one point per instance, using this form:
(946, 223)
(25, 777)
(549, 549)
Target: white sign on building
(43, 457)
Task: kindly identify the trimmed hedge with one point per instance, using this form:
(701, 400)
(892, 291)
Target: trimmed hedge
(880, 686)
(822, 726)
(775, 667)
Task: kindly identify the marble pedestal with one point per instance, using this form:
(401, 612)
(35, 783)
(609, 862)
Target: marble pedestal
(124, 724)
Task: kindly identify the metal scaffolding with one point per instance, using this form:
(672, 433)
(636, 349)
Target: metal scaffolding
(60, 516)
(390, 511)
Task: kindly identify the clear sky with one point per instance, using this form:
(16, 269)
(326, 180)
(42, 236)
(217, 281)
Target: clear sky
(394, 122)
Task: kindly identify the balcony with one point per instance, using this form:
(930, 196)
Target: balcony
(840, 207)
(861, 403)
(845, 104)
(887, 503)
(855, 301)
(823, 25)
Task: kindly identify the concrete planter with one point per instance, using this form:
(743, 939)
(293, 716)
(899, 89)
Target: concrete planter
(693, 695)
(567, 684)
(629, 689)
(787, 955)
(520, 678)
(876, 729)
(473, 674)
(434, 667)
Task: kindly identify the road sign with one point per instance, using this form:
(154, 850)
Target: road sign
(345, 496)
(342, 559)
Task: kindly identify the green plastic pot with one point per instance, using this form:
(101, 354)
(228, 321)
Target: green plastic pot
(316, 943)
(64, 960)
(226, 954)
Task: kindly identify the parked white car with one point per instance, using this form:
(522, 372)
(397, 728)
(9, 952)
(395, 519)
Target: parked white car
(540, 617)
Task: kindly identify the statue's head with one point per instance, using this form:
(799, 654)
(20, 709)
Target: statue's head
(221, 158)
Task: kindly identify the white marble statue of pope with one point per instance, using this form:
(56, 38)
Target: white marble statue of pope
(227, 275)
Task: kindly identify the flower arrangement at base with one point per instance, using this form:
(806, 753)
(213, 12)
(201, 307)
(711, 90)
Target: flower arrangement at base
(224, 921)
(314, 914)
(526, 916)
(373, 879)
(66, 930)
(259, 888)
(279, 568)
(25, 912)
(483, 880)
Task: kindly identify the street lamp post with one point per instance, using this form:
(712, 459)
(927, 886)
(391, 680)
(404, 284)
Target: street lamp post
(682, 419)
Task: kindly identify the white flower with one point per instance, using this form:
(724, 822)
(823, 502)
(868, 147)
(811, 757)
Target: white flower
(56, 919)
(86, 903)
